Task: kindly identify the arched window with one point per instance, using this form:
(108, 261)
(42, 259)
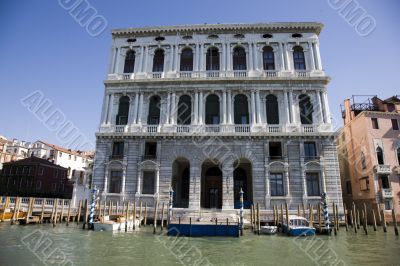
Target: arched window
(184, 110)
(379, 156)
(153, 117)
(298, 58)
(239, 59)
(186, 60)
(129, 66)
(158, 61)
(268, 58)
(212, 59)
(306, 109)
(363, 161)
(241, 110)
(272, 108)
(212, 110)
(123, 110)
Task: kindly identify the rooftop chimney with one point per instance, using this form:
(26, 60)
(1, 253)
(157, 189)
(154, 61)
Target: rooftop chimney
(347, 110)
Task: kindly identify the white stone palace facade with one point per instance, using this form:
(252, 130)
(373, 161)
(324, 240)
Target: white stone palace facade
(209, 109)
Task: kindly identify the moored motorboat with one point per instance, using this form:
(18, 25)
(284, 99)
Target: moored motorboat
(298, 226)
(269, 230)
(115, 224)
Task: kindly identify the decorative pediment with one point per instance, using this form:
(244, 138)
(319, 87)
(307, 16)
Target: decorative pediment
(149, 165)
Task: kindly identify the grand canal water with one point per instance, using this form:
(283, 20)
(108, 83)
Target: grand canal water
(45, 245)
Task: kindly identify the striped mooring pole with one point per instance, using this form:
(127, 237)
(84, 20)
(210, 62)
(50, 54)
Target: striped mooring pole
(326, 213)
(171, 198)
(92, 207)
(241, 211)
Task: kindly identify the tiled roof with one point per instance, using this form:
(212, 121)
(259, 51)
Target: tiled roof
(64, 150)
(34, 159)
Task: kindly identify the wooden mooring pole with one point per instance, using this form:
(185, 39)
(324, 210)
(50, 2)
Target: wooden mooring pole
(78, 218)
(396, 230)
(374, 219)
(384, 222)
(55, 212)
(69, 212)
(155, 216)
(162, 216)
(334, 218)
(140, 213)
(287, 216)
(134, 214)
(258, 219)
(145, 214)
(42, 213)
(251, 217)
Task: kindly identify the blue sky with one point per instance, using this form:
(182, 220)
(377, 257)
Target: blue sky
(43, 48)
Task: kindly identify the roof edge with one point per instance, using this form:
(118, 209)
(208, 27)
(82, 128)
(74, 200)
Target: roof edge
(315, 27)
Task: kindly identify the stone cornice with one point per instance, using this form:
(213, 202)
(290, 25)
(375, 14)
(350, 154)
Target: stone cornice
(288, 27)
(261, 136)
(245, 81)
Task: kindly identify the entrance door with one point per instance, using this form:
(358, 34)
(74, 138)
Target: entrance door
(211, 188)
(213, 194)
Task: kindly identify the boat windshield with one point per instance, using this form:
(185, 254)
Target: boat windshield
(298, 222)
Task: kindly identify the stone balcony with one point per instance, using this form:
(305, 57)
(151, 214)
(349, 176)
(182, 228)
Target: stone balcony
(266, 74)
(386, 193)
(217, 129)
(383, 169)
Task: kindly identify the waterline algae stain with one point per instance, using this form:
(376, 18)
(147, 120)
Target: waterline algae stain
(29, 245)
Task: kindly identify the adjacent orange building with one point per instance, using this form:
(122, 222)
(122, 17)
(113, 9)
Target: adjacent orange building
(369, 153)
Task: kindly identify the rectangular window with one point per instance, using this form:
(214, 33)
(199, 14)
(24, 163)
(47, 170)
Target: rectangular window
(275, 151)
(395, 124)
(375, 123)
(56, 174)
(69, 157)
(148, 182)
(310, 151)
(39, 184)
(313, 184)
(74, 158)
(60, 154)
(388, 205)
(41, 170)
(25, 170)
(54, 187)
(118, 149)
(348, 187)
(276, 184)
(115, 181)
(150, 151)
(364, 183)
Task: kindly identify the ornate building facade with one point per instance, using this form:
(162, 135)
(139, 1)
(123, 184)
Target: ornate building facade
(208, 110)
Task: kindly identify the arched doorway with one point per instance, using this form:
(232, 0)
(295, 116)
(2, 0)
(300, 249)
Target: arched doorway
(211, 185)
(243, 179)
(180, 182)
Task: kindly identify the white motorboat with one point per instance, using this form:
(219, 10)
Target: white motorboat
(269, 230)
(115, 225)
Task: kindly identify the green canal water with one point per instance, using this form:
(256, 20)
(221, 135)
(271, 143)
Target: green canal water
(45, 245)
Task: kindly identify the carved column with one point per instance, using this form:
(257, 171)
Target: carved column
(253, 108)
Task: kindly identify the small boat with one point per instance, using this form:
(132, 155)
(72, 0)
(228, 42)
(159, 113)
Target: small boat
(298, 226)
(115, 224)
(269, 230)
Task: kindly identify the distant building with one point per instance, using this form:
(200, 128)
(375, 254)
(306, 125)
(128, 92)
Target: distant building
(19, 149)
(35, 177)
(77, 163)
(13, 150)
(369, 152)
